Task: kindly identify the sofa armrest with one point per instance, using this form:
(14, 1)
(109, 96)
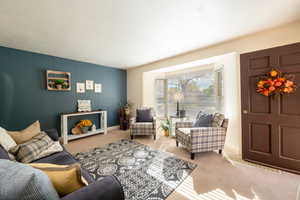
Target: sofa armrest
(132, 120)
(107, 188)
(183, 125)
(154, 123)
(207, 139)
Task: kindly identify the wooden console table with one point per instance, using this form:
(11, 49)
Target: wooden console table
(64, 125)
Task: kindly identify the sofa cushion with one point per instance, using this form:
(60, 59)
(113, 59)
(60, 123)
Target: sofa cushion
(53, 134)
(65, 178)
(111, 188)
(27, 134)
(61, 158)
(6, 141)
(144, 115)
(203, 120)
(3, 153)
(225, 123)
(64, 158)
(143, 125)
(54, 148)
(218, 120)
(32, 150)
(186, 131)
(22, 182)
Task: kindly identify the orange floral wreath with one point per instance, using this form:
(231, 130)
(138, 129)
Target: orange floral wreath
(275, 82)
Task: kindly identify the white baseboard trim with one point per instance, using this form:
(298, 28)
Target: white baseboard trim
(111, 128)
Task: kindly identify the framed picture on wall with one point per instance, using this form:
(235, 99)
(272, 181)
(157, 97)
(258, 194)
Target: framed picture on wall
(80, 87)
(89, 84)
(98, 88)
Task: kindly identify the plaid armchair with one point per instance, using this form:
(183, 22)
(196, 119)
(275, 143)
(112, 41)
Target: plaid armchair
(142, 128)
(201, 139)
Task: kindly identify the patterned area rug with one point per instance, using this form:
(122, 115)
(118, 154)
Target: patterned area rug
(145, 173)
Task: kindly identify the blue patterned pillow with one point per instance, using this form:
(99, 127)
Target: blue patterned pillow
(23, 182)
(203, 120)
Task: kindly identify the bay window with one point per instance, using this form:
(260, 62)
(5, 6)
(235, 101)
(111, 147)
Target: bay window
(200, 90)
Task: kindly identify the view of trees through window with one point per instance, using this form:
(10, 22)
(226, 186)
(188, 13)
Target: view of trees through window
(201, 91)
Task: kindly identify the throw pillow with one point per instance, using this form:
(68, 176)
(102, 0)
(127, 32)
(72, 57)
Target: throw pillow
(144, 115)
(3, 153)
(52, 133)
(25, 135)
(218, 120)
(6, 141)
(31, 150)
(22, 182)
(65, 178)
(53, 148)
(203, 120)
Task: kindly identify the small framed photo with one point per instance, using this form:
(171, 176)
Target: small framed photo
(98, 88)
(80, 87)
(84, 105)
(89, 84)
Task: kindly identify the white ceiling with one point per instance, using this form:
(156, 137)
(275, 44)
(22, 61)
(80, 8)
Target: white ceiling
(128, 33)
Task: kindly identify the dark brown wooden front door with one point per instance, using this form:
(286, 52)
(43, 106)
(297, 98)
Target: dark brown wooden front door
(271, 125)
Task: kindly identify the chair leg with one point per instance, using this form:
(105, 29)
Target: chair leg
(154, 136)
(192, 156)
(177, 143)
(220, 151)
(131, 137)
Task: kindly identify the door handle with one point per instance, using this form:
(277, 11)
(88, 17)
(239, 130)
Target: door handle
(245, 111)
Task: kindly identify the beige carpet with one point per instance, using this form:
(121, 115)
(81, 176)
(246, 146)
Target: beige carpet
(215, 178)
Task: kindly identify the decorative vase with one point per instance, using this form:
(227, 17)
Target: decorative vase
(59, 86)
(127, 111)
(166, 133)
(85, 129)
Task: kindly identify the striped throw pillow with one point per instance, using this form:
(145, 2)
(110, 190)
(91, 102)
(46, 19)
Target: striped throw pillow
(31, 150)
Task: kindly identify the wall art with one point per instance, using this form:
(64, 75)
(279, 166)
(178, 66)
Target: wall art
(80, 87)
(98, 88)
(89, 84)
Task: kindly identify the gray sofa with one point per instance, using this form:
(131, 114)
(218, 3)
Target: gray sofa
(108, 188)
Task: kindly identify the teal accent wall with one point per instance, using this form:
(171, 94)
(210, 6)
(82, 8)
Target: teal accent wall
(24, 97)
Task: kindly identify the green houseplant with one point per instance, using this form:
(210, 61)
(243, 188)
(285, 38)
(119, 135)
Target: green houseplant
(165, 127)
(59, 84)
